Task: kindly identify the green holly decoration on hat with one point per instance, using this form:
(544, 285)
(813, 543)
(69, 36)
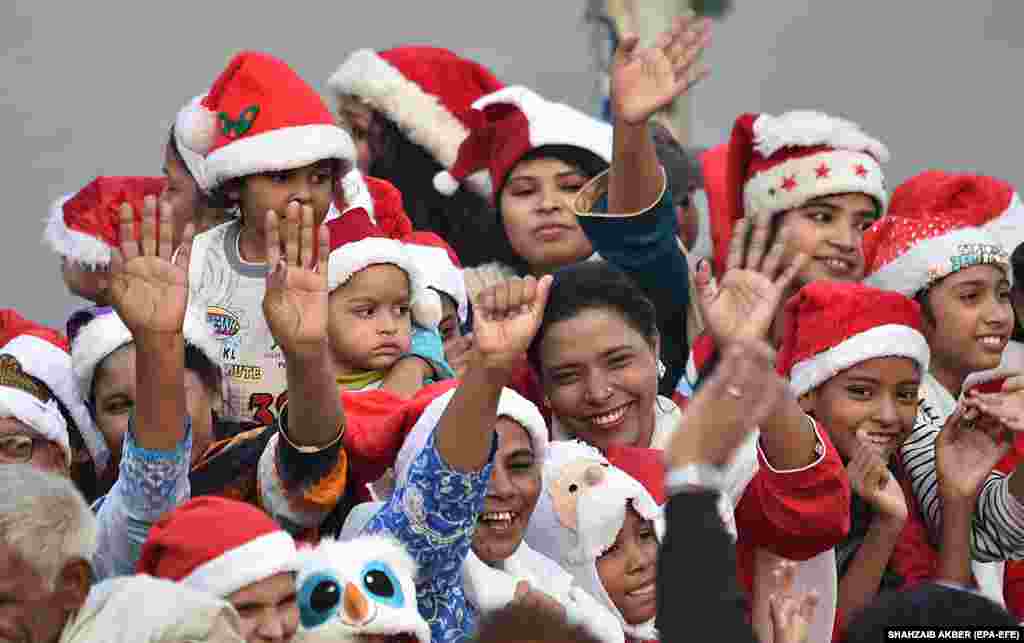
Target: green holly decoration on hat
(238, 127)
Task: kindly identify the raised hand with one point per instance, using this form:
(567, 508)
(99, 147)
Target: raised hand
(1007, 406)
(149, 289)
(791, 611)
(507, 316)
(744, 305)
(458, 352)
(871, 480)
(742, 392)
(969, 445)
(647, 80)
(537, 600)
(295, 303)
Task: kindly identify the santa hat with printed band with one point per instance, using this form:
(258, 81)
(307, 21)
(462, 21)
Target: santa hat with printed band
(426, 91)
(98, 331)
(440, 267)
(941, 223)
(38, 387)
(83, 227)
(777, 163)
(834, 326)
(260, 116)
(218, 546)
(512, 122)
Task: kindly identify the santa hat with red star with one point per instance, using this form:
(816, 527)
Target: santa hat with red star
(940, 223)
(426, 91)
(83, 227)
(834, 326)
(441, 268)
(217, 546)
(513, 121)
(260, 116)
(777, 163)
(38, 388)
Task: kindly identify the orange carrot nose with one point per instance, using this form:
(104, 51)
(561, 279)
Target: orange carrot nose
(356, 606)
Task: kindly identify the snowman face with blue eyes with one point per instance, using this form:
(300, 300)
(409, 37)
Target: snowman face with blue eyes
(358, 590)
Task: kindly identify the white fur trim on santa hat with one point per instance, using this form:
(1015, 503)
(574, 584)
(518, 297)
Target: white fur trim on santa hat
(357, 195)
(345, 261)
(554, 123)
(51, 364)
(81, 249)
(794, 182)
(286, 148)
(930, 260)
(803, 128)
(44, 417)
(421, 116)
(887, 340)
(256, 560)
(440, 274)
(94, 342)
(195, 129)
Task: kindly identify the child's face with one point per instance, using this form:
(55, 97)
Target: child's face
(873, 404)
(829, 230)
(970, 320)
(449, 326)
(536, 210)
(311, 185)
(370, 324)
(629, 569)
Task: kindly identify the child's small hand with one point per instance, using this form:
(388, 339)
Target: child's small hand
(507, 316)
(148, 288)
(967, 448)
(647, 80)
(295, 303)
(792, 611)
(870, 479)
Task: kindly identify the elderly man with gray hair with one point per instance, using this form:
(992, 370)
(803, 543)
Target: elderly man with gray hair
(47, 538)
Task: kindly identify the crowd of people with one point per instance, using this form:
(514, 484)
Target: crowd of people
(453, 362)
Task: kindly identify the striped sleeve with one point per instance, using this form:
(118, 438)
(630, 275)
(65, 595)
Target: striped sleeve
(997, 529)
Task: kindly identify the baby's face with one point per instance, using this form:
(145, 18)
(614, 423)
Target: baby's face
(370, 326)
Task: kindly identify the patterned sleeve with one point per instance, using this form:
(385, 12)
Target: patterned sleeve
(149, 484)
(299, 488)
(997, 528)
(433, 512)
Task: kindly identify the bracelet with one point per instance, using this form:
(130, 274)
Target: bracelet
(312, 449)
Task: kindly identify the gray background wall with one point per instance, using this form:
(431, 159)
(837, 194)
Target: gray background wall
(88, 88)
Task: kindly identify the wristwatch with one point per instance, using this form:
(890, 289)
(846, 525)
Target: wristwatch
(695, 477)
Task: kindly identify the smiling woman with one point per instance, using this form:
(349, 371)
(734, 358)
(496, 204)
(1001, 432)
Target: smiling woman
(603, 391)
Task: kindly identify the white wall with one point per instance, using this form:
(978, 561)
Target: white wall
(89, 88)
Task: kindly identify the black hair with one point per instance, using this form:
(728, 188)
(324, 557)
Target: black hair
(1017, 267)
(682, 164)
(522, 624)
(591, 285)
(199, 363)
(928, 605)
(465, 220)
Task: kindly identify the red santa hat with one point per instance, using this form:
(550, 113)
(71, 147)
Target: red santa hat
(513, 121)
(260, 116)
(777, 163)
(940, 223)
(83, 227)
(834, 326)
(217, 546)
(426, 91)
(37, 386)
(98, 331)
(441, 268)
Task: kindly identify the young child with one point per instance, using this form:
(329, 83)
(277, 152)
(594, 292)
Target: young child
(377, 291)
(443, 273)
(601, 519)
(269, 144)
(942, 244)
(855, 356)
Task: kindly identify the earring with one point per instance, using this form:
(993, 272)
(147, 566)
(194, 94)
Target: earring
(661, 369)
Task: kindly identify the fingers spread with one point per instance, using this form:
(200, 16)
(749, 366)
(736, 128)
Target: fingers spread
(149, 226)
(272, 232)
(166, 232)
(306, 238)
(126, 230)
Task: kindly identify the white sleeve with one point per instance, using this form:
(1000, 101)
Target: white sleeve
(582, 609)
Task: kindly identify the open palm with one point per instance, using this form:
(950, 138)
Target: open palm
(966, 453)
(295, 302)
(507, 317)
(647, 80)
(149, 289)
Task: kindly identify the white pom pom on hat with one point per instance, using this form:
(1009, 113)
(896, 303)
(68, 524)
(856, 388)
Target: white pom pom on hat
(196, 127)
